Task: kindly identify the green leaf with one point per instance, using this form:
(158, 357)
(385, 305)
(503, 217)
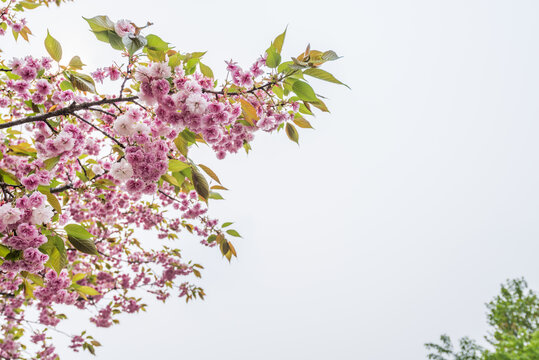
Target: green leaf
(76, 63)
(55, 248)
(215, 196)
(274, 58)
(77, 277)
(51, 163)
(53, 200)
(78, 231)
(156, 43)
(205, 70)
(320, 105)
(115, 40)
(279, 40)
(304, 109)
(86, 246)
(170, 179)
(4, 250)
(177, 165)
(174, 60)
(100, 23)
(292, 133)
(277, 90)
(66, 85)
(200, 184)
(133, 44)
(103, 36)
(9, 178)
(110, 37)
(323, 75)
(181, 145)
(226, 224)
(82, 82)
(86, 290)
(304, 91)
(197, 54)
(330, 55)
(14, 255)
(233, 233)
(53, 47)
(29, 5)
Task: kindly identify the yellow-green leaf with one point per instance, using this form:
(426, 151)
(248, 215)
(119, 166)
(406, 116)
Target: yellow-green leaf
(249, 111)
(205, 70)
(210, 172)
(292, 133)
(200, 184)
(53, 47)
(302, 123)
(76, 63)
(177, 165)
(88, 290)
(170, 179)
(323, 75)
(53, 200)
(279, 40)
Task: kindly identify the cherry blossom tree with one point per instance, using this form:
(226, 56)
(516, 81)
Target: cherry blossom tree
(81, 170)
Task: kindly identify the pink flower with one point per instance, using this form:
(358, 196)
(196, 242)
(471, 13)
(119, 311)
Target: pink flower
(160, 87)
(124, 126)
(37, 199)
(113, 73)
(42, 214)
(98, 75)
(121, 171)
(160, 70)
(124, 27)
(27, 231)
(9, 215)
(245, 79)
(31, 182)
(27, 73)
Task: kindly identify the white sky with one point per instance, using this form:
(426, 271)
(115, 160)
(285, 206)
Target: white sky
(394, 221)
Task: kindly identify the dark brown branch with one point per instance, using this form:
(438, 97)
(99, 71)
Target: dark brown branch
(66, 111)
(60, 189)
(103, 111)
(168, 196)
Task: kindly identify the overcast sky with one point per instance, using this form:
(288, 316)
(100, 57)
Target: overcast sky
(394, 221)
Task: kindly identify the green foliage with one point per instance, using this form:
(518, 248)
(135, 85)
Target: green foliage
(304, 91)
(81, 239)
(81, 81)
(513, 316)
(468, 350)
(103, 29)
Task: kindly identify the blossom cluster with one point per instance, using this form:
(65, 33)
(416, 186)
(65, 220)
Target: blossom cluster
(20, 221)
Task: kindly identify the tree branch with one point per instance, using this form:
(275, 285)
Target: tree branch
(65, 111)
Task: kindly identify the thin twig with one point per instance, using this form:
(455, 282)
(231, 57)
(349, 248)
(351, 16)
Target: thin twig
(98, 129)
